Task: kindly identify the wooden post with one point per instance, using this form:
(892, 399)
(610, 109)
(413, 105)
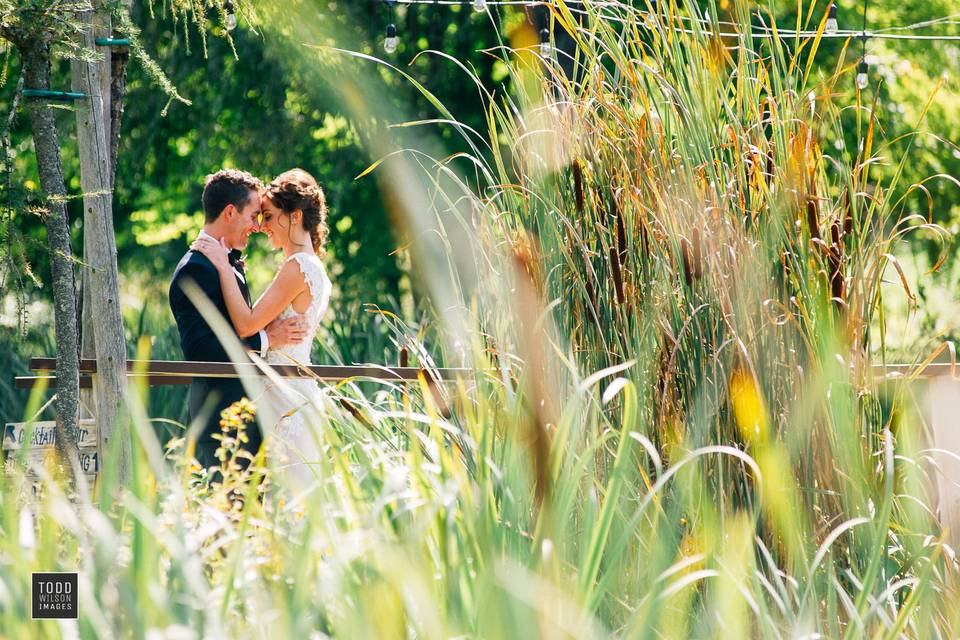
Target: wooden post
(943, 401)
(100, 249)
(101, 29)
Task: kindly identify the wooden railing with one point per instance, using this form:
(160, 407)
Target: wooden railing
(932, 370)
(39, 437)
(173, 372)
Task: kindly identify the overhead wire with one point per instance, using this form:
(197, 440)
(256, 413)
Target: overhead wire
(759, 31)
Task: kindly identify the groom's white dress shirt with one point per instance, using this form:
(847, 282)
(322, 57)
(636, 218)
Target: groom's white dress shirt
(264, 340)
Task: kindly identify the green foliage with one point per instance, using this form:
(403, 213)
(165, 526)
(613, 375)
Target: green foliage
(666, 291)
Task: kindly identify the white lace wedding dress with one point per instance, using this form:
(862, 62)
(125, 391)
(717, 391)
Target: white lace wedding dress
(297, 402)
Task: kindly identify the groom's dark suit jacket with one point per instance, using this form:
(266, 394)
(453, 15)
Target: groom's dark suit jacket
(199, 342)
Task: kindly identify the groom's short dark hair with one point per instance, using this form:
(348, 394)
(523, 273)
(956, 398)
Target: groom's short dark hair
(227, 186)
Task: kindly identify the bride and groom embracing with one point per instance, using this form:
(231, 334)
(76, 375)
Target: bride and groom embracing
(279, 327)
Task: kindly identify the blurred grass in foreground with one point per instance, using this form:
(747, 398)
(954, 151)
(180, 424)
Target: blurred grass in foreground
(664, 286)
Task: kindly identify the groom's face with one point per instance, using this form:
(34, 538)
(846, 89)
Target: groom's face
(244, 222)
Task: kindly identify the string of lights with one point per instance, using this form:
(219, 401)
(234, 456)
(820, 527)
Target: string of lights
(705, 26)
(230, 15)
(831, 28)
(945, 20)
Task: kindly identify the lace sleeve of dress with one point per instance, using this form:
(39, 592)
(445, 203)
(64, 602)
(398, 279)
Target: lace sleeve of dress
(316, 276)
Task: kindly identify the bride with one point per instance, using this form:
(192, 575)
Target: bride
(294, 212)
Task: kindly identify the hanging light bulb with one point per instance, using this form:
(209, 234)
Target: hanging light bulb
(832, 25)
(230, 20)
(479, 5)
(545, 43)
(391, 41)
(862, 79)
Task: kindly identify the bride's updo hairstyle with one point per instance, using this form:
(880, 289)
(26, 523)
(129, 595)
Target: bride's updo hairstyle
(297, 189)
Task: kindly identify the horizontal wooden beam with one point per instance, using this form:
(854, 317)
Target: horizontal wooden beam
(932, 370)
(156, 370)
(171, 372)
(159, 373)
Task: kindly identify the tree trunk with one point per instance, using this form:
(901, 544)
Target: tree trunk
(91, 78)
(119, 57)
(118, 88)
(35, 55)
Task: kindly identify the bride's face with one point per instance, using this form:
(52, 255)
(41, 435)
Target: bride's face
(275, 223)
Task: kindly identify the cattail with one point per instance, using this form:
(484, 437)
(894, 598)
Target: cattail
(591, 294)
(770, 167)
(836, 265)
(685, 255)
(847, 214)
(621, 230)
(578, 186)
(439, 401)
(617, 276)
(813, 216)
(697, 255)
(346, 404)
(404, 357)
(644, 236)
(835, 236)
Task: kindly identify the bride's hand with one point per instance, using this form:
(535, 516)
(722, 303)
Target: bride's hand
(217, 252)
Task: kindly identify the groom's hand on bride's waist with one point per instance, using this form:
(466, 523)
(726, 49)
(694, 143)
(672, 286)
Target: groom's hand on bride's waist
(287, 331)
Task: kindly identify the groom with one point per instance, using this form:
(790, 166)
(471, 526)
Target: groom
(231, 206)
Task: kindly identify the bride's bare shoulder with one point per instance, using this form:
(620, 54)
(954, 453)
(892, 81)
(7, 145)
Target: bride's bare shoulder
(291, 275)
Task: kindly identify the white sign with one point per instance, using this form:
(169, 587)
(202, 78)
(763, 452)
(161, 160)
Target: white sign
(89, 459)
(44, 434)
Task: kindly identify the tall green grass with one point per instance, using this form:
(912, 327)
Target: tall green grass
(663, 286)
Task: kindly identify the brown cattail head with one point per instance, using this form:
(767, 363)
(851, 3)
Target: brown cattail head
(644, 237)
(346, 404)
(591, 293)
(813, 216)
(835, 236)
(847, 214)
(578, 186)
(621, 228)
(835, 258)
(697, 262)
(617, 275)
(437, 395)
(685, 254)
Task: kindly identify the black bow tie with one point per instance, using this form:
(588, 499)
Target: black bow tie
(235, 259)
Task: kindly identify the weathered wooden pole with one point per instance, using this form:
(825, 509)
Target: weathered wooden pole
(101, 277)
